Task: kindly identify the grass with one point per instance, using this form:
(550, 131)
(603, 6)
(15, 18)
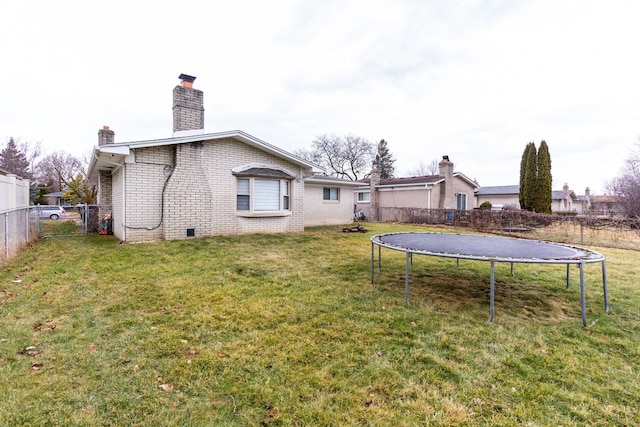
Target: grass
(287, 330)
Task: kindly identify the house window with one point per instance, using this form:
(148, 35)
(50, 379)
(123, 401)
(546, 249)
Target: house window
(263, 195)
(331, 193)
(461, 201)
(364, 196)
(285, 197)
(243, 200)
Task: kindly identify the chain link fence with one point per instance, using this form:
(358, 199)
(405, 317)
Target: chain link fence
(18, 229)
(25, 225)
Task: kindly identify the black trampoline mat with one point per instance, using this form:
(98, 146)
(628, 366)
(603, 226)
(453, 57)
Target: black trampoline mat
(477, 246)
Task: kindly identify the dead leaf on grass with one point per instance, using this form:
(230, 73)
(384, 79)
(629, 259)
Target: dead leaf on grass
(165, 387)
(381, 352)
(36, 366)
(30, 351)
(91, 348)
(136, 368)
(192, 352)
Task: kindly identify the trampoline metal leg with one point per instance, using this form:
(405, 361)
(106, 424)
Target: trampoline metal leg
(583, 298)
(491, 292)
(379, 259)
(568, 274)
(406, 279)
(372, 263)
(512, 272)
(604, 287)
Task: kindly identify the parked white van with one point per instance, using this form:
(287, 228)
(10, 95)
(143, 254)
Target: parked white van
(47, 211)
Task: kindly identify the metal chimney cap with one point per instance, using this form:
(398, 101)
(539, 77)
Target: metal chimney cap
(186, 78)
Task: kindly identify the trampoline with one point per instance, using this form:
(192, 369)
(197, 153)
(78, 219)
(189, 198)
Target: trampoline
(491, 249)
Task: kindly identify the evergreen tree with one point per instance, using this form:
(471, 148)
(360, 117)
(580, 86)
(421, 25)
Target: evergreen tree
(384, 160)
(544, 180)
(13, 160)
(535, 178)
(530, 178)
(523, 170)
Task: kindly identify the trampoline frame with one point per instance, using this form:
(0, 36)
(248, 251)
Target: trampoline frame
(590, 257)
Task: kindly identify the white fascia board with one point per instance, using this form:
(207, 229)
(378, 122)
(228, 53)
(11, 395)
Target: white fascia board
(123, 150)
(403, 187)
(466, 178)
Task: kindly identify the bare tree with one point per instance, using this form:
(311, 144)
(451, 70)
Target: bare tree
(423, 169)
(32, 152)
(58, 169)
(626, 186)
(348, 156)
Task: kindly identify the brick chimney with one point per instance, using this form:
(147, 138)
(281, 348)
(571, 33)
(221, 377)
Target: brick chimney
(447, 197)
(565, 189)
(188, 108)
(587, 192)
(106, 136)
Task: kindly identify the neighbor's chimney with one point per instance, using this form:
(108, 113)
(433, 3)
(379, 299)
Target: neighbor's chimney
(587, 191)
(565, 188)
(447, 196)
(374, 197)
(106, 136)
(188, 108)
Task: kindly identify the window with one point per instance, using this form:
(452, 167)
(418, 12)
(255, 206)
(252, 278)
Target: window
(461, 201)
(330, 193)
(285, 197)
(263, 195)
(243, 195)
(364, 196)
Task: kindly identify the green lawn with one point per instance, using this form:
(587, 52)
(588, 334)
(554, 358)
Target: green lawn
(288, 330)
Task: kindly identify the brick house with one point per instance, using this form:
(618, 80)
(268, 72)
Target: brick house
(200, 184)
(447, 190)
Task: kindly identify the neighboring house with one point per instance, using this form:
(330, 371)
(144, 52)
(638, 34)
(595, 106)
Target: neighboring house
(604, 205)
(196, 184)
(564, 200)
(447, 190)
(54, 198)
(583, 203)
(500, 196)
(328, 200)
(14, 191)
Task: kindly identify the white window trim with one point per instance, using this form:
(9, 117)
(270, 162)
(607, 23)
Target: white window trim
(466, 201)
(363, 192)
(331, 200)
(251, 213)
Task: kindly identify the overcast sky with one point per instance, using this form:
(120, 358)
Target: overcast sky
(474, 80)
